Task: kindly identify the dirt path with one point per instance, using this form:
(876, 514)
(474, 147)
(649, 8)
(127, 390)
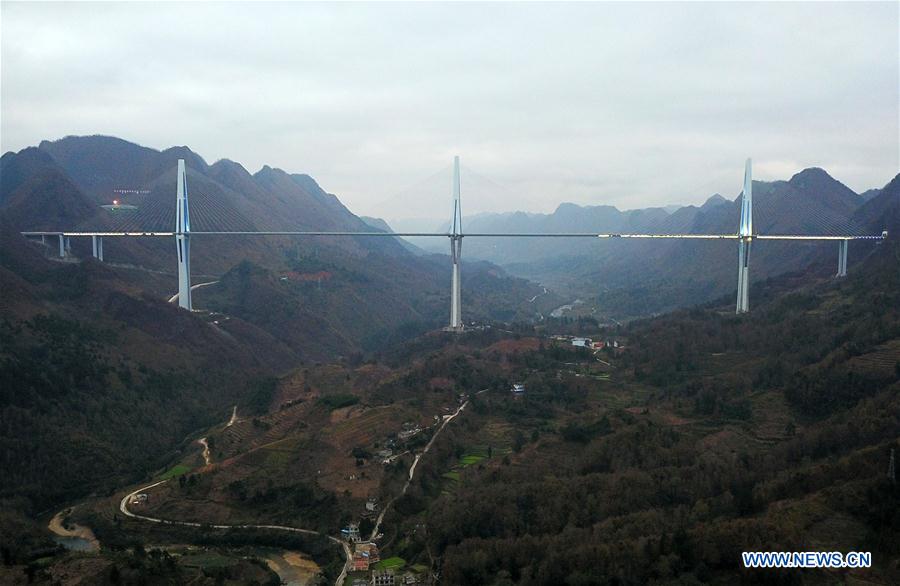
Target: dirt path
(206, 458)
(412, 469)
(234, 418)
(77, 531)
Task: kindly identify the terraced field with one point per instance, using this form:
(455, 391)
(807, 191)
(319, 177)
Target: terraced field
(883, 362)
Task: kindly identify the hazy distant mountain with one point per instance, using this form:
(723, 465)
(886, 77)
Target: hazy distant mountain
(713, 201)
(640, 276)
(381, 225)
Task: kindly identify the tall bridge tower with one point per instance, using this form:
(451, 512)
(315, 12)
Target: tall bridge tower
(183, 238)
(455, 255)
(746, 237)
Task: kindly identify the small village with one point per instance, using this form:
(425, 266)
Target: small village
(615, 345)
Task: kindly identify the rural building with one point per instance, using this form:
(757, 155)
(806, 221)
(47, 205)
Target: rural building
(518, 389)
(369, 550)
(372, 505)
(351, 533)
(383, 578)
(581, 342)
(409, 429)
(360, 562)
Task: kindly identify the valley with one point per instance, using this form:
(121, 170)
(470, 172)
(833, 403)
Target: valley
(449, 294)
(682, 453)
(310, 421)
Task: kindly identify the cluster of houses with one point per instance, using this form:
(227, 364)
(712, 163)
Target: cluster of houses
(364, 555)
(386, 454)
(611, 343)
(387, 578)
(365, 552)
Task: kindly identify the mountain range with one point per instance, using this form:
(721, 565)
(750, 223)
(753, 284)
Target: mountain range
(322, 297)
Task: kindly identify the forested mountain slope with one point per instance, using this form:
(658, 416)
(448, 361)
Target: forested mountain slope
(99, 383)
(722, 434)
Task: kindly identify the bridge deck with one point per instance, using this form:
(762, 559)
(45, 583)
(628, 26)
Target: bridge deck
(469, 235)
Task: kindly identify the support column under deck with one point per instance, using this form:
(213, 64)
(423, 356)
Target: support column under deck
(743, 291)
(62, 246)
(455, 285)
(100, 248)
(94, 246)
(843, 245)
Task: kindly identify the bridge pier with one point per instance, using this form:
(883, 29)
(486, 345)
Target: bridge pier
(183, 238)
(843, 245)
(743, 291)
(455, 285)
(97, 247)
(62, 246)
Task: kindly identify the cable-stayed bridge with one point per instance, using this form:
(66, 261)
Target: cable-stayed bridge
(204, 215)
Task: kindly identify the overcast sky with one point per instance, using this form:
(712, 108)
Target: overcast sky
(625, 104)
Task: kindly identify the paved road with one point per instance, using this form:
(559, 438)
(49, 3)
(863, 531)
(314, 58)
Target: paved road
(197, 286)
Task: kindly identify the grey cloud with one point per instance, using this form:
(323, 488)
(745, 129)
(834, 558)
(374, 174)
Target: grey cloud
(628, 104)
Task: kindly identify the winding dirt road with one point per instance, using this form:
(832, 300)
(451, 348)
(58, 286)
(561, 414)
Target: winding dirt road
(206, 457)
(123, 508)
